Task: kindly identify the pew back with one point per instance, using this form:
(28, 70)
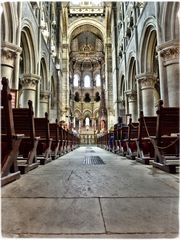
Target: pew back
(167, 120)
(24, 120)
(147, 126)
(42, 127)
(132, 129)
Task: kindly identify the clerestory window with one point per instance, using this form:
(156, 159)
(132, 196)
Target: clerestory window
(76, 80)
(87, 81)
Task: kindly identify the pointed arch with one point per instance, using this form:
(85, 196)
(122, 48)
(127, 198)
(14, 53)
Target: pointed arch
(131, 79)
(169, 21)
(28, 51)
(44, 75)
(9, 21)
(148, 45)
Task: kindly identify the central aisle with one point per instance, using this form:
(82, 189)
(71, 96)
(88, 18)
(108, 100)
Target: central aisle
(74, 197)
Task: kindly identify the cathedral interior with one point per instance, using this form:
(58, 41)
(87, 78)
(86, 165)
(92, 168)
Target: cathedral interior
(91, 70)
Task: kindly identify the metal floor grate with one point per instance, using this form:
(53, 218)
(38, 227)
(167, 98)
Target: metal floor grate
(93, 160)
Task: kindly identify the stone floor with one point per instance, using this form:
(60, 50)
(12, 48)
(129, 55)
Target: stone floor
(70, 199)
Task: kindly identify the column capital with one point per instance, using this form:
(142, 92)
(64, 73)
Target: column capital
(169, 51)
(132, 95)
(44, 95)
(9, 52)
(30, 81)
(146, 80)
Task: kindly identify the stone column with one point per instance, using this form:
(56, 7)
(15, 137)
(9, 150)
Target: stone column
(146, 82)
(9, 53)
(169, 56)
(121, 109)
(132, 104)
(29, 86)
(44, 103)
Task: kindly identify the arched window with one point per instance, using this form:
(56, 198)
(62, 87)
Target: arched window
(87, 81)
(98, 80)
(76, 80)
(87, 121)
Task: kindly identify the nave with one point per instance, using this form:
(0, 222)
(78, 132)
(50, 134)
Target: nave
(92, 193)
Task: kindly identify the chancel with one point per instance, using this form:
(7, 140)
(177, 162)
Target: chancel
(90, 119)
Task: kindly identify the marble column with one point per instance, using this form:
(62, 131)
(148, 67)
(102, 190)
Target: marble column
(29, 86)
(9, 53)
(44, 103)
(169, 56)
(132, 104)
(147, 82)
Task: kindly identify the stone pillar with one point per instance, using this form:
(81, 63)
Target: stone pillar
(9, 53)
(121, 109)
(169, 56)
(146, 82)
(44, 103)
(29, 86)
(132, 104)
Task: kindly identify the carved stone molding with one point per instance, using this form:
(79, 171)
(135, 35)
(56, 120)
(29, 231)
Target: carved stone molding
(30, 81)
(169, 51)
(146, 80)
(9, 52)
(132, 95)
(44, 95)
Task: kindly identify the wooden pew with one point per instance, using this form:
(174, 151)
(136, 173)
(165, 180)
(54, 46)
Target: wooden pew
(24, 124)
(61, 145)
(66, 138)
(10, 141)
(110, 141)
(123, 136)
(54, 134)
(147, 128)
(166, 142)
(116, 138)
(44, 145)
(131, 141)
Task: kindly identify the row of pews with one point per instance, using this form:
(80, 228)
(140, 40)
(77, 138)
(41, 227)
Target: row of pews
(152, 140)
(26, 141)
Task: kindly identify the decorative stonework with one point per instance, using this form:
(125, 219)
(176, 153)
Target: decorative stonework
(30, 81)
(132, 95)
(147, 80)
(44, 95)
(170, 53)
(9, 52)
(147, 83)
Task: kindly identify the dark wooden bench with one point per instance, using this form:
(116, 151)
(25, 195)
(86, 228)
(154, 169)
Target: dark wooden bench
(65, 141)
(122, 138)
(166, 142)
(110, 141)
(147, 129)
(131, 141)
(54, 134)
(116, 138)
(61, 145)
(24, 124)
(10, 141)
(44, 145)
(68, 141)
